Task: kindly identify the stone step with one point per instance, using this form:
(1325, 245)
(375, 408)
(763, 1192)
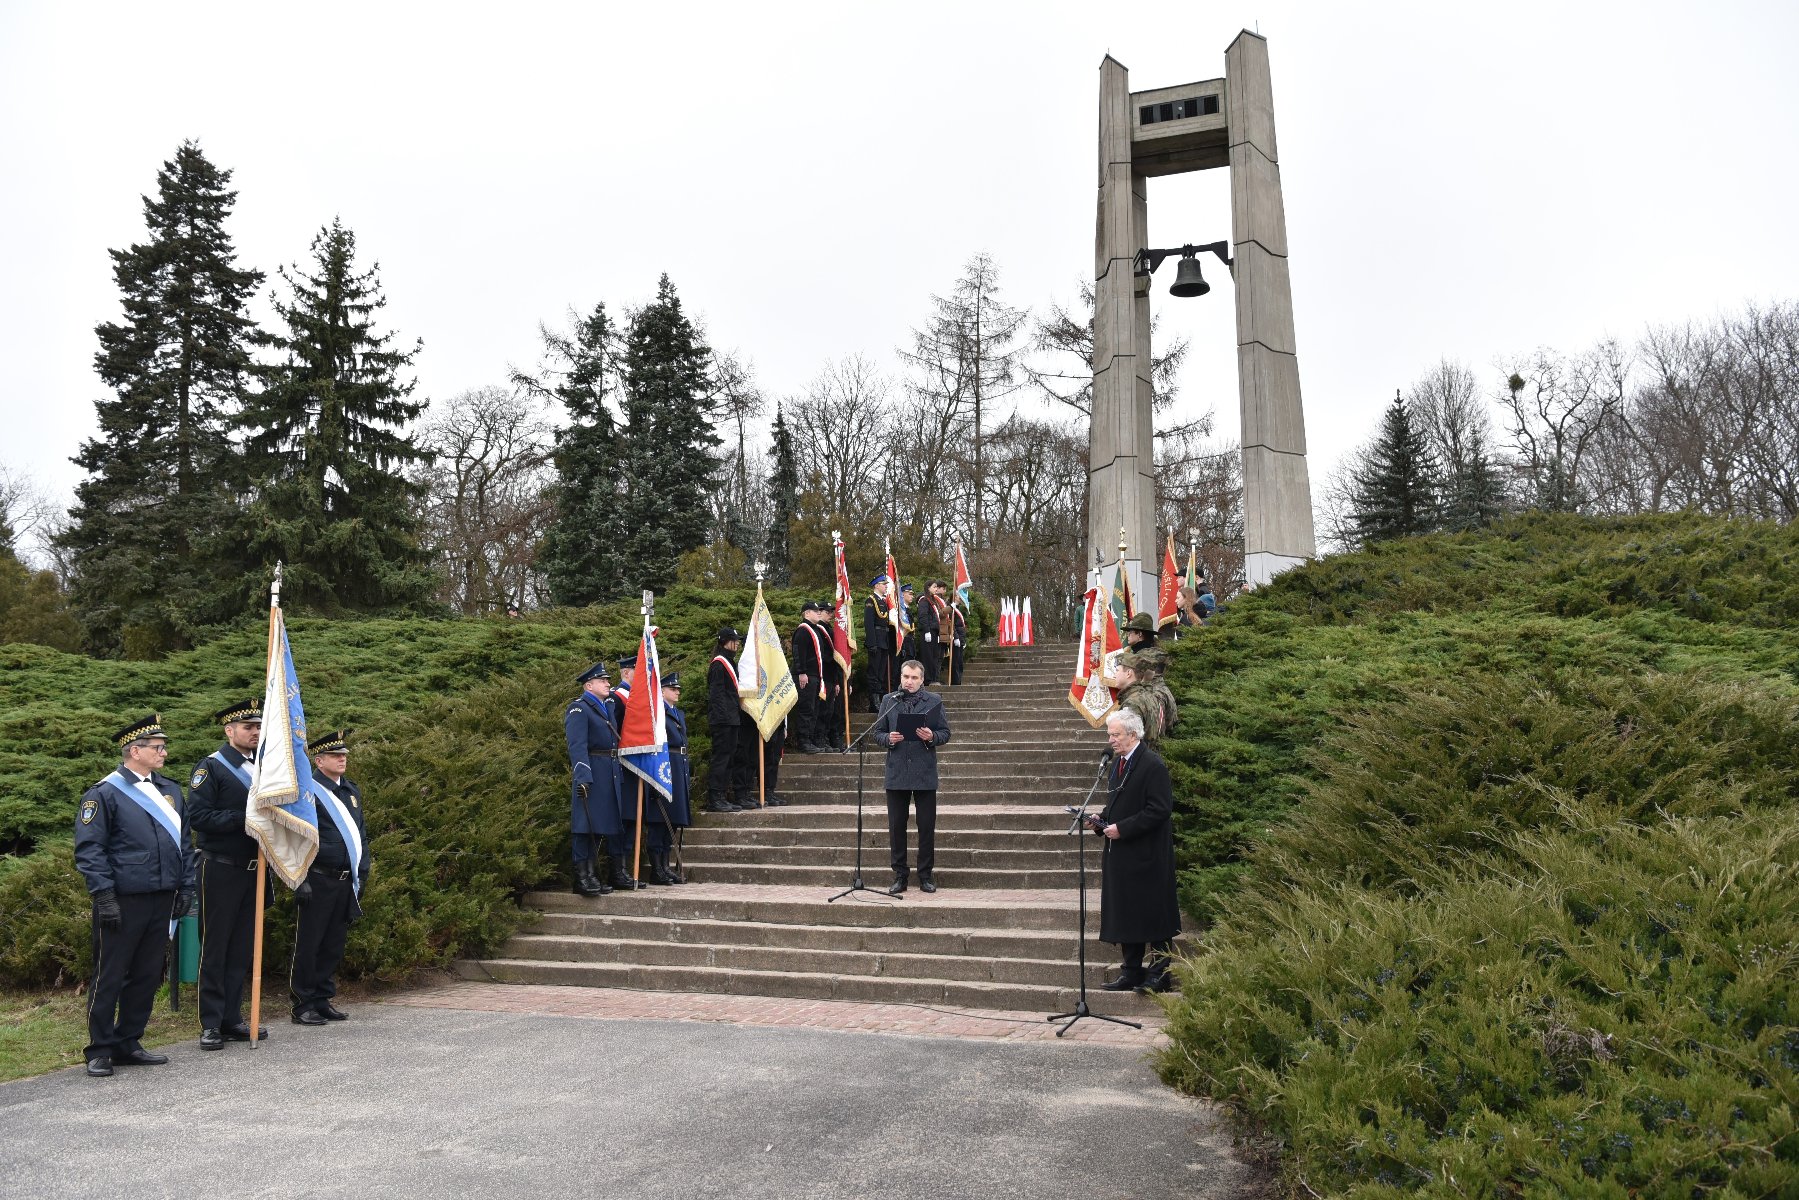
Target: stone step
(874, 868)
(949, 857)
(824, 959)
(1050, 834)
(971, 909)
(1052, 795)
(951, 821)
(1013, 997)
(1055, 945)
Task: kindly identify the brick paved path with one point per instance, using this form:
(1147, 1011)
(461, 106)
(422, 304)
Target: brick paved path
(765, 1011)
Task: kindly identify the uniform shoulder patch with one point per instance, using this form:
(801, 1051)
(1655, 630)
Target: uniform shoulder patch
(198, 779)
(88, 809)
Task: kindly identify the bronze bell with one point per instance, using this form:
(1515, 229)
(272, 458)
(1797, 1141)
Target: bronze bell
(1188, 281)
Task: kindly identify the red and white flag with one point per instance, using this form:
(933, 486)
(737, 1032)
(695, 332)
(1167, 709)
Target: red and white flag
(1087, 691)
(843, 625)
(1168, 591)
(1028, 637)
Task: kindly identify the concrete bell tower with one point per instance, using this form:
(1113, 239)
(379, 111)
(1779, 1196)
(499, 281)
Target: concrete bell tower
(1228, 123)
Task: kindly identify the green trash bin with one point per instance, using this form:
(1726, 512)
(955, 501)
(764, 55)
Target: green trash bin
(187, 937)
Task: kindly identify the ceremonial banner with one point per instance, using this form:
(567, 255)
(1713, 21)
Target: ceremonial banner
(894, 607)
(964, 582)
(280, 812)
(1168, 589)
(765, 688)
(1087, 692)
(643, 741)
(843, 621)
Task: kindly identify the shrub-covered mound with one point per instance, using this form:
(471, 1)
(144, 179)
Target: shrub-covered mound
(458, 749)
(1503, 864)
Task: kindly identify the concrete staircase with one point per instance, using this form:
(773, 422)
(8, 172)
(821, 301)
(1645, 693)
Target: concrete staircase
(755, 917)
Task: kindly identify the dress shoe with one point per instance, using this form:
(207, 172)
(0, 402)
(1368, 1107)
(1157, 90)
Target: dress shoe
(211, 1039)
(720, 806)
(99, 1066)
(307, 1017)
(810, 748)
(899, 885)
(776, 800)
(925, 885)
(331, 1012)
(240, 1032)
(1124, 983)
(139, 1058)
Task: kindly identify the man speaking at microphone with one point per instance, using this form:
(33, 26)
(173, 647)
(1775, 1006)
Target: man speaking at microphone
(911, 726)
(1138, 908)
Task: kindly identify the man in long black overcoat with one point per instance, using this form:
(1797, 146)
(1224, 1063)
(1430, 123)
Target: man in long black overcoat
(1137, 907)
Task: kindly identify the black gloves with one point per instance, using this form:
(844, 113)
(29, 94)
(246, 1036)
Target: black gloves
(355, 908)
(303, 893)
(582, 788)
(106, 907)
(184, 902)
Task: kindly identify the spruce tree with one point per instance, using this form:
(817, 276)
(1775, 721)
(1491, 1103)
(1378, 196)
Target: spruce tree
(1395, 491)
(178, 364)
(579, 555)
(668, 443)
(784, 500)
(326, 450)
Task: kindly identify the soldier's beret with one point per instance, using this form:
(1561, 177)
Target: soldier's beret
(597, 671)
(144, 727)
(243, 710)
(335, 742)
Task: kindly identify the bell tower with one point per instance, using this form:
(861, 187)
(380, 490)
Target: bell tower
(1229, 123)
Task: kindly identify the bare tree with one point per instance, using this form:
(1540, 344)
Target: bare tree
(1062, 367)
(487, 506)
(736, 401)
(842, 437)
(28, 516)
(1556, 408)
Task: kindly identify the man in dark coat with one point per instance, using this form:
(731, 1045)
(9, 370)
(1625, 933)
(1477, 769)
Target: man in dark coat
(680, 804)
(217, 794)
(878, 642)
(734, 738)
(329, 899)
(811, 650)
(131, 848)
(592, 738)
(933, 618)
(1137, 906)
(831, 712)
(911, 725)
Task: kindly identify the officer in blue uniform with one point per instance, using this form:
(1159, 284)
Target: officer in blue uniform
(621, 691)
(329, 898)
(217, 794)
(680, 806)
(130, 846)
(591, 732)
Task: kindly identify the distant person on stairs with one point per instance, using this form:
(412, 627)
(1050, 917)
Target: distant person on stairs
(912, 725)
(811, 648)
(1137, 907)
(877, 640)
(733, 739)
(592, 738)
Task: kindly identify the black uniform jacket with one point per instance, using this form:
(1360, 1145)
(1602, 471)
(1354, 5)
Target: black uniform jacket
(811, 650)
(216, 799)
(723, 705)
(1137, 898)
(120, 846)
(334, 853)
(912, 764)
(877, 633)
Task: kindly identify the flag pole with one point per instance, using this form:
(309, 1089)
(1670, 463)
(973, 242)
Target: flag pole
(261, 866)
(637, 852)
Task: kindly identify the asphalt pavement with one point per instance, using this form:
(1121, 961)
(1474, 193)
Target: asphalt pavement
(406, 1102)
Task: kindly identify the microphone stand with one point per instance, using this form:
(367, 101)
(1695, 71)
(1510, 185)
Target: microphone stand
(861, 762)
(1078, 828)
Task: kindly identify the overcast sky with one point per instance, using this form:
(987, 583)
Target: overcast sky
(1463, 181)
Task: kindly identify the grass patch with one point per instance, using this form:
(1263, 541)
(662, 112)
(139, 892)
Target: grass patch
(46, 1030)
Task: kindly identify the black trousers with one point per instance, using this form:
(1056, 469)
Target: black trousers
(931, 655)
(319, 937)
(729, 768)
(955, 664)
(772, 750)
(227, 929)
(926, 803)
(805, 715)
(127, 971)
(830, 718)
(882, 677)
(585, 846)
(1133, 959)
(656, 835)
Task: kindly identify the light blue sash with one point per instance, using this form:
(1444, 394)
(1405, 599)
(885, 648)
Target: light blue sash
(121, 784)
(346, 826)
(243, 776)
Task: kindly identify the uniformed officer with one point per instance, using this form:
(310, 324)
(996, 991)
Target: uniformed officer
(831, 712)
(1141, 698)
(958, 640)
(908, 647)
(217, 793)
(592, 736)
(877, 640)
(130, 847)
(733, 737)
(330, 897)
(1140, 637)
(811, 647)
(934, 627)
(621, 691)
(680, 804)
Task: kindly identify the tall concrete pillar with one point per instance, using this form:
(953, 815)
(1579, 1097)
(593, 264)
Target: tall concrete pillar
(1225, 122)
(1277, 494)
(1121, 482)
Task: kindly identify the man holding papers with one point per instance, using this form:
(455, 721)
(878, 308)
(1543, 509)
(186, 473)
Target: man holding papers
(911, 726)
